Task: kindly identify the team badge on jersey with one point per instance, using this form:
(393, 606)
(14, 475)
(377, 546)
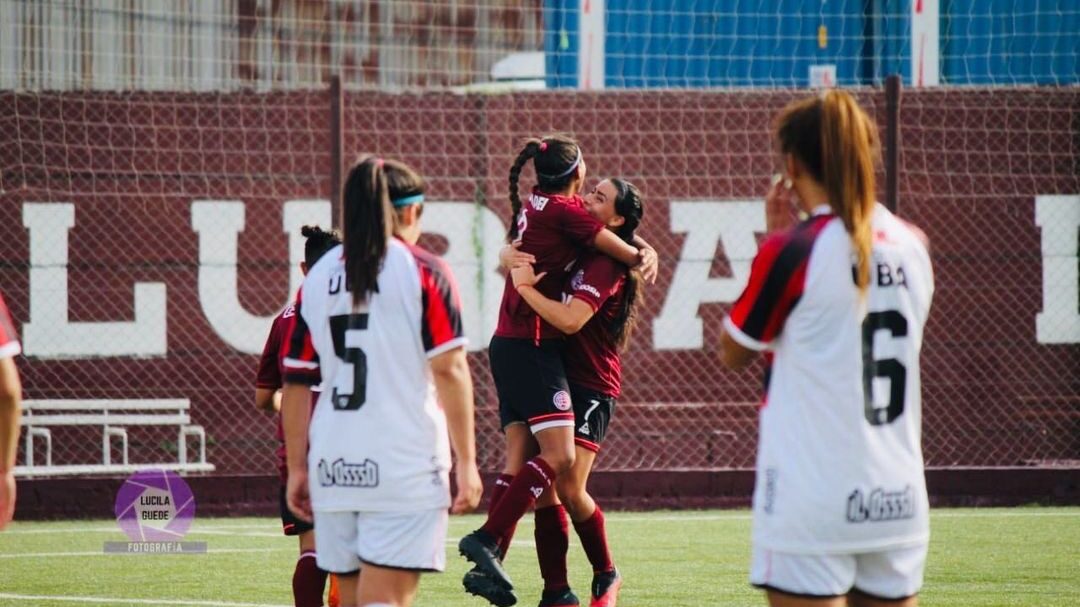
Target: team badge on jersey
(562, 400)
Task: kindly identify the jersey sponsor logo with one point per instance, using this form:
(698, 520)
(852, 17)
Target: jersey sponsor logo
(578, 284)
(562, 400)
(880, 505)
(538, 202)
(343, 474)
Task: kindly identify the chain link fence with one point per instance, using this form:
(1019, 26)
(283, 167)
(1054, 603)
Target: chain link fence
(149, 231)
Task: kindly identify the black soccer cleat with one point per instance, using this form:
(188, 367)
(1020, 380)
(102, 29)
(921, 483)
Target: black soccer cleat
(482, 549)
(559, 598)
(605, 588)
(478, 583)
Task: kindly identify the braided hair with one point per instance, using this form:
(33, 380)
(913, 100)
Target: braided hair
(318, 242)
(555, 158)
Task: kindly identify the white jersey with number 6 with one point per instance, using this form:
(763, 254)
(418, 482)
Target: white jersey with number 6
(378, 437)
(839, 465)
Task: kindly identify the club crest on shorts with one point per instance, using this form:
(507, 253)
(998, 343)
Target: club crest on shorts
(562, 400)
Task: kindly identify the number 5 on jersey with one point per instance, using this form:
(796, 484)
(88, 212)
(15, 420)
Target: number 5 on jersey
(345, 330)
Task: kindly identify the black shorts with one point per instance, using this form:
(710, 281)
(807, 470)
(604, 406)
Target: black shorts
(531, 382)
(592, 415)
(290, 525)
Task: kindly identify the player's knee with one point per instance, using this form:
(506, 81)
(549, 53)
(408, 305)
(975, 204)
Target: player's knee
(560, 460)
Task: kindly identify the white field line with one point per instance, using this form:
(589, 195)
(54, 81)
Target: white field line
(270, 531)
(118, 601)
(451, 541)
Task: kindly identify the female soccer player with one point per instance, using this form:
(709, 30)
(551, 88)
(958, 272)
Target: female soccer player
(599, 314)
(526, 351)
(841, 299)
(308, 580)
(379, 321)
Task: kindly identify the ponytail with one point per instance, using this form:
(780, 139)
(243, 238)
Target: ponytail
(367, 224)
(532, 147)
(848, 145)
(837, 143)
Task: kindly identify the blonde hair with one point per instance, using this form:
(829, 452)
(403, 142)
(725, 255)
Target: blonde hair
(837, 142)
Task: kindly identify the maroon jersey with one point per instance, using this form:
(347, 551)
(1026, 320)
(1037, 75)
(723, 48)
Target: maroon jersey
(554, 229)
(271, 371)
(592, 357)
(9, 340)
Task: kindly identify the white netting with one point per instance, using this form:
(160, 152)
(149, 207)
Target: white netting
(159, 158)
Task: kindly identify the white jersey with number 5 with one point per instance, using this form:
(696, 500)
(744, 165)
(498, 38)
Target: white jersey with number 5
(378, 437)
(839, 466)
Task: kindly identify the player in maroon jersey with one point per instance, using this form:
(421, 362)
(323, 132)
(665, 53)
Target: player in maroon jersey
(308, 580)
(535, 406)
(598, 311)
(10, 403)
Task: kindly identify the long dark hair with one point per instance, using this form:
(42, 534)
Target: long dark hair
(367, 223)
(630, 206)
(838, 143)
(555, 159)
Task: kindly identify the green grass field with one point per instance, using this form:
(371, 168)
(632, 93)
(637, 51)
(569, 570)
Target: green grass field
(1016, 556)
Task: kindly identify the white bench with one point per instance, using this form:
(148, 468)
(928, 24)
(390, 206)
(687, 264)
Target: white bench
(113, 416)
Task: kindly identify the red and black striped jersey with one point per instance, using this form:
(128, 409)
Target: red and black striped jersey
(839, 461)
(378, 425)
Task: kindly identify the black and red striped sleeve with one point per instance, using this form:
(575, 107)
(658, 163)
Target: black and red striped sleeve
(777, 280)
(301, 362)
(441, 328)
(9, 339)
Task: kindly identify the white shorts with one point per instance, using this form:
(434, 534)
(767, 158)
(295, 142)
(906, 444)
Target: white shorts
(889, 574)
(414, 540)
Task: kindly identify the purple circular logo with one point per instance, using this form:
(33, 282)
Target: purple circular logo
(154, 506)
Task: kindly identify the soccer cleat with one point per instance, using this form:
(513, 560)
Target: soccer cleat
(478, 583)
(559, 598)
(480, 548)
(605, 588)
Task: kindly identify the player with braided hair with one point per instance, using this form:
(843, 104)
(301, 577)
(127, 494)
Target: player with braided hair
(526, 352)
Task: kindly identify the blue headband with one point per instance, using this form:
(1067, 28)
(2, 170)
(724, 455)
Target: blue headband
(406, 201)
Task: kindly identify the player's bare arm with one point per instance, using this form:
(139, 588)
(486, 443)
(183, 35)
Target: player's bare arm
(295, 414)
(733, 354)
(453, 383)
(267, 400)
(567, 317)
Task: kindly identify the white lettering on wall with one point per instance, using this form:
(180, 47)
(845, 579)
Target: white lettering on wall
(1059, 219)
(474, 234)
(218, 224)
(679, 326)
(48, 333)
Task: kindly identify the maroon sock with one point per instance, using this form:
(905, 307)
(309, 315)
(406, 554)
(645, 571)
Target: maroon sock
(501, 485)
(552, 539)
(535, 478)
(308, 582)
(593, 538)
